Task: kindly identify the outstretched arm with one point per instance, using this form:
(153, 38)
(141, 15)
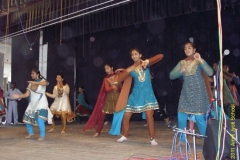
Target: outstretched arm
(124, 75)
(19, 96)
(42, 83)
(54, 95)
(155, 59)
(176, 72)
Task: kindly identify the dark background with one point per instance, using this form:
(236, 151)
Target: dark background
(93, 50)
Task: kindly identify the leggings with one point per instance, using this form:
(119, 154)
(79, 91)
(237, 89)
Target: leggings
(200, 120)
(41, 127)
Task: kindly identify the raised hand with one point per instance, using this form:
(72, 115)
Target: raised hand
(198, 57)
(145, 63)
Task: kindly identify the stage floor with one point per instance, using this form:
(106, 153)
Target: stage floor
(76, 145)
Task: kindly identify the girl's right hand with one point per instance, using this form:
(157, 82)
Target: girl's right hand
(183, 69)
(114, 87)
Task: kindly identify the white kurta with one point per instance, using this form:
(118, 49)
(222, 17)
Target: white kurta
(38, 100)
(61, 100)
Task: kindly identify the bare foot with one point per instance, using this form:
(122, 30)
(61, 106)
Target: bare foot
(29, 136)
(96, 134)
(51, 130)
(41, 138)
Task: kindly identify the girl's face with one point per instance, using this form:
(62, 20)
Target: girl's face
(59, 78)
(108, 69)
(136, 56)
(189, 50)
(34, 75)
(225, 68)
(80, 90)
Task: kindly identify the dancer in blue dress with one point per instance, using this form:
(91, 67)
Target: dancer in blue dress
(196, 92)
(141, 99)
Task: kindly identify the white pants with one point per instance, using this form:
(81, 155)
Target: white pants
(12, 110)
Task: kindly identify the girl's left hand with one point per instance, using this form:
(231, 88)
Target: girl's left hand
(198, 57)
(145, 63)
(119, 70)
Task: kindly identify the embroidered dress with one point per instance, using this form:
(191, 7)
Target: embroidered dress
(194, 97)
(112, 95)
(38, 105)
(142, 97)
(105, 104)
(61, 102)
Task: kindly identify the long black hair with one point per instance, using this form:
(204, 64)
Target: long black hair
(38, 72)
(64, 82)
(108, 64)
(135, 49)
(138, 50)
(191, 43)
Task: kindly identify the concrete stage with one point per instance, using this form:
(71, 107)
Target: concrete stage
(76, 145)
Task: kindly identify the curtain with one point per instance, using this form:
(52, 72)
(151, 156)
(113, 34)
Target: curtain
(89, 20)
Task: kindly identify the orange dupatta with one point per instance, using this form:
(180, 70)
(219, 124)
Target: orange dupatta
(125, 76)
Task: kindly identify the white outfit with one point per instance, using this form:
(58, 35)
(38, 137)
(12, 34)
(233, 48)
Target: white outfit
(38, 101)
(61, 100)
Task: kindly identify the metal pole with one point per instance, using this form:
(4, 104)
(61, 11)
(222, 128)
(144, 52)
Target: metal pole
(236, 136)
(194, 146)
(186, 145)
(216, 98)
(74, 77)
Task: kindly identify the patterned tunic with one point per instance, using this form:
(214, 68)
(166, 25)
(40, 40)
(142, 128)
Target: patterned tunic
(142, 97)
(194, 97)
